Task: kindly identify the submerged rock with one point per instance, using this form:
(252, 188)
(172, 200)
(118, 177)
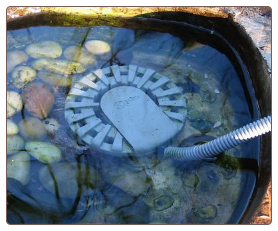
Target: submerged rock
(209, 176)
(23, 75)
(190, 180)
(12, 128)
(14, 144)
(203, 215)
(43, 151)
(206, 212)
(163, 202)
(58, 66)
(32, 128)
(18, 167)
(45, 49)
(65, 179)
(98, 47)
(202, 125)
(14, 103)
(15, 58)
(79, 54)
(51, 125)
(54, 79)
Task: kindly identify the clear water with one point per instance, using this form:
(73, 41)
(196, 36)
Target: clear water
(145, 189)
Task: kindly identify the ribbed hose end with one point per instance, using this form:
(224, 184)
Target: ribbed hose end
(221, 144)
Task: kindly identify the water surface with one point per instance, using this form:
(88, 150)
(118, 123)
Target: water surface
(102, 188)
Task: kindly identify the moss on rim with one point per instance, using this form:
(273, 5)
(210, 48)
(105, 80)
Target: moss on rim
(113, 16)
(135, 11)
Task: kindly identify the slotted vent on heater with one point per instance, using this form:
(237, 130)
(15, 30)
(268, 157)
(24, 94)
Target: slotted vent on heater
(86, 119)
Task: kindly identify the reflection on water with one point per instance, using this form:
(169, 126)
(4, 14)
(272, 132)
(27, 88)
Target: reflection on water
(53, 177)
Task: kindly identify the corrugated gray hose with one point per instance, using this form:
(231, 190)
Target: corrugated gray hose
(221, 144)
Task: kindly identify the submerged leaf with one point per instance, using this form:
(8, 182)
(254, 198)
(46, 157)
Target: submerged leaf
(38, 99)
